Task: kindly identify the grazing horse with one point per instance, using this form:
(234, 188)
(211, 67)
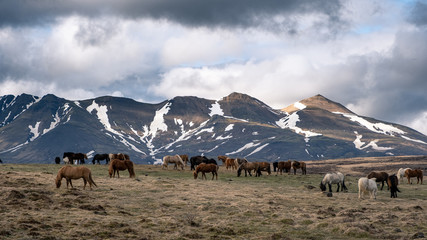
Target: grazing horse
(248, 167)
(230, 163)
(223, 159)
(264, 166)
(176, 159)
(206, 168)
(196, 160)
(57, 160)
(380, 177)
(297, 165)
(401, 174)
(367, 186)
(117, 165)
(393, 181)
(100, 157)
(333, 178)
(69, 172)
(418, 173)
(284, 166)
(184, 158)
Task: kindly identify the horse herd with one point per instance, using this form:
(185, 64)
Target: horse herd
(368, 184)
(202, 164)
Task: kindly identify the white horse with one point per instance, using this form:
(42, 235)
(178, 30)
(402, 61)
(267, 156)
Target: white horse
(173, 159)
(66, 160)
(333, 178)
(368, 186)
(400, 174)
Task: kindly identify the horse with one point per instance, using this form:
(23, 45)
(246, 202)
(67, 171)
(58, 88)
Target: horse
(57, 160)
(209, 161)
(248, 167)
(297, 165)
(418, 173)
(367, 185)
(264, 166)
(284, 166)
(275, 164)
(66, 160)
(206, 168)
(69, 172)
(333, 178)
(239, 161)
(196, 160)
(117, 165)
(230, 163)
(176, 159)
(79, 157)
(223, 159)
(99, 157)
(120, 156)
(401, 174)
(1, 161)
(380, 177)
(393, 181)
(184, 158)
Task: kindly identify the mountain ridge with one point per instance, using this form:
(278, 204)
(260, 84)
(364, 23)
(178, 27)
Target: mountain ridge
(237, 125)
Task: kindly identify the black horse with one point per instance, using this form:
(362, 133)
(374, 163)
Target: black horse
(80, 157)
(57, 160)
(275, 164)
(194, 161)
(99, 157)
(1, 161)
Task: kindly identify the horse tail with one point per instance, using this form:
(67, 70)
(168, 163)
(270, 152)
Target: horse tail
(91, 180)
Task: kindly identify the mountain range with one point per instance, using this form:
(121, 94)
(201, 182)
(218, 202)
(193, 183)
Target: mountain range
(38, 129)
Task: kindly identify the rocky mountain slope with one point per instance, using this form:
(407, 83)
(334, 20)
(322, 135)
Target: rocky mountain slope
(36, 130)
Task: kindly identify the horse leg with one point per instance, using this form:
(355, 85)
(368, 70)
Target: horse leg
(71, 183)
(85, 182)
(330, 187)
(338, 187)
(118, 173)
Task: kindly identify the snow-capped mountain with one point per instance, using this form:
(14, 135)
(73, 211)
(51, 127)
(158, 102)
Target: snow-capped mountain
(36, 130)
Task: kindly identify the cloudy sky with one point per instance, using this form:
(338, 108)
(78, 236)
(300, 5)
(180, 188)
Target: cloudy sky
(369, 55)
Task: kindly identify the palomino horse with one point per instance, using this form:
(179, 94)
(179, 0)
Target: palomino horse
(184, 158)
(69, 172)
(176, 159)
(418, 173)
(117, 165)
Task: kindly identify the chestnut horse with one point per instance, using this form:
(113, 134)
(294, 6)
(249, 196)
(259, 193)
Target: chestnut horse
(69, 172)
(117, 165)
(282, 165)
(297, 165)
(418, 173)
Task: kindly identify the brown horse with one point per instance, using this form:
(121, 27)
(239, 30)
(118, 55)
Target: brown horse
(379, 177)
(248, 167)
(69, 172)
(184, 158)
(230, 163)
(264, 166)
(117, 165)
(206, 168)
(418, 173)
(282, 165)
(223, 159)
(297, 165)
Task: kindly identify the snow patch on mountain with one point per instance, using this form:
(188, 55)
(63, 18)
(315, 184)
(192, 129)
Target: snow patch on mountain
(290, 122)
(257, 149)
(379, 127)
(299, 105)
(34, 130)
(373, 144)
(413, 140)
(246, 146)
(216, 109)
(101, 112)
(229, 128)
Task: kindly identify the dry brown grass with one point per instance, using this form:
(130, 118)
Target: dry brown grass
(170, 204)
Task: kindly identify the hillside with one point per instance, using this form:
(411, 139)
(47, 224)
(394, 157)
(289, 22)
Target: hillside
(37, 129)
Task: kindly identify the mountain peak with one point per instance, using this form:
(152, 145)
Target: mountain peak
(317, 101)
(235, 96)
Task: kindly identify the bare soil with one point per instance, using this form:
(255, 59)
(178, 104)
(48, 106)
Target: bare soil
(171, 204)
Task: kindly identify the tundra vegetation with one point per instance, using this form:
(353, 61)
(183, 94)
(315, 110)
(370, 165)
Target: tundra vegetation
(171, 204)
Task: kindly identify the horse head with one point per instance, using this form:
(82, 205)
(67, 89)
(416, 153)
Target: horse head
(322, 186)
(195, 174)
(58, 180)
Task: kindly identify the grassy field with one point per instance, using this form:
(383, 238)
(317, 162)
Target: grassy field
(170, 204)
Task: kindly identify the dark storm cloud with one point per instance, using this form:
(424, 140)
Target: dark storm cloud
(194, 13)
(419, 14)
